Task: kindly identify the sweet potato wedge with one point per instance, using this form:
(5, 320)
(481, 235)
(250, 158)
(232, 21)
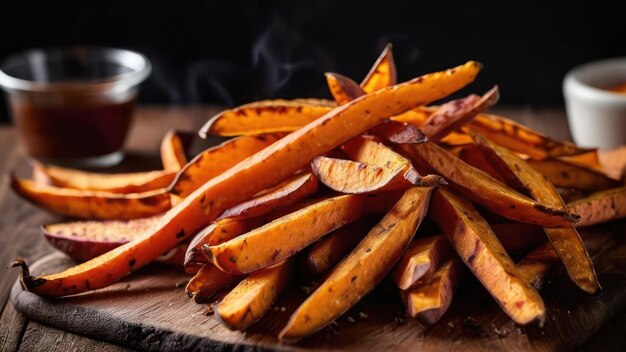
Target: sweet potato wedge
(536, 265)
(368, 151)
(216, 160)
(429, 299)
(482, 253)
(485, 190)
(267, 116)
(600, 207)
(363, 268)
(287, 192)
(254, 296)
(342, 88)
(324, 254)
(568, 175)
(383, 73)
(566, 241)
(216, 233)
(353, 177)
(208, 281)
(84, 240)
(258, 172)
(420, 260)
(92, 204)
(135, 182)
(398, 132)
(522, 139)
(454, 114)
(173, 155)
(291, 233)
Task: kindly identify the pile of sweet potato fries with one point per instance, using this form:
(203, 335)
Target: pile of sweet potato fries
(337, 190)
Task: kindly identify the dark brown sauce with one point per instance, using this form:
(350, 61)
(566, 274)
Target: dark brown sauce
(72, 130)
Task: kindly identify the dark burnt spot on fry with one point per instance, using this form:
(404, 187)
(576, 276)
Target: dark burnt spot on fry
(132, 262)
(565, 174)
(261, 138)
(87, 285)
(151, 201)
(232, 259)
(352, 279)
(180, 234)
(275, 254)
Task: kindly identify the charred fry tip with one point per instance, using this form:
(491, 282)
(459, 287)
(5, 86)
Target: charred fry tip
(432, 181)
(26, 280)
(571, 217)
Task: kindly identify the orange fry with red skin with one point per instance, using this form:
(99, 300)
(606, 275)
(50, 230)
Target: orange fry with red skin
(362, 269)
(566, 241)
(215, 160)
(92, 204)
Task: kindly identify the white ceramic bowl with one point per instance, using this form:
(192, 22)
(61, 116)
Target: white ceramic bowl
(597, 117)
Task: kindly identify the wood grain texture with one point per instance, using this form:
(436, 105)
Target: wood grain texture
(148, 311)
(12, 325)
(39, 337)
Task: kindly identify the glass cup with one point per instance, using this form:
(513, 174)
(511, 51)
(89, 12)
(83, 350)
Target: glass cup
(73, 106)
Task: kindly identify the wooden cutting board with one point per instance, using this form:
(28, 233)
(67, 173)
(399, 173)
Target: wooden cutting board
(149, 310)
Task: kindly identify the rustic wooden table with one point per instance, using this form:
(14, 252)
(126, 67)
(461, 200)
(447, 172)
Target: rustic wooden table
(18, 240)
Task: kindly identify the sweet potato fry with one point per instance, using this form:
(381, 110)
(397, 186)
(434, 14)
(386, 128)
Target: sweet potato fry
(251, 176)
(429, 299)
(536, 265)
(254, 296)
(399, 132)
(173, 151)
(522, 139)
(84, 240)
(600, 207)
(136, 182)
(288, 192)
(474, 157)
(291, 233)
(92, 204)
(363, 268)
(482, 253)
(383, 73)
(366, 150)
(589, 159)
(568, 175)
(454, 114)
(216, 233)
(208, 281)
(267, 116)
(420, 260)
(342, 88)
(484, 189)
(353, 177)
(216, 160)
(566, 241)
(324, 254)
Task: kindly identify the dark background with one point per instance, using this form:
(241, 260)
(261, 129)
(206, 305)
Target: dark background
(232, 52)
